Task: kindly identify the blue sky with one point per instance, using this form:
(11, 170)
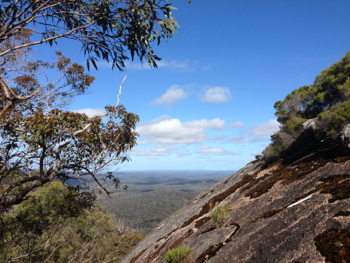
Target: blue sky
(209, 105)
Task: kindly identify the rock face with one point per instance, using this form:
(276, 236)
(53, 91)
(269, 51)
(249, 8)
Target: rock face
(345, 136)
(293, 211)
(310, 124)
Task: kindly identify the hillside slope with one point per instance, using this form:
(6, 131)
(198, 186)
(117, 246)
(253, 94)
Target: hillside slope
(266, 223)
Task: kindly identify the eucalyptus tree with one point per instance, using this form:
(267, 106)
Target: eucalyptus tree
(105, 28)
(39, 141)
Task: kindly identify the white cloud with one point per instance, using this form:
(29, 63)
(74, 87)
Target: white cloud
(242, 139)
(216, 95)
(173, 94)
(183, 154)
(236, 124)
(102, 64)
(213, 151)
(167, 130)
(220, 138)
(159, 150)
(91, 112)
(219, 160)
(267, 128)
(171, 64)
(216, 124)
(206, 67)
(238, 139)
(260, 139)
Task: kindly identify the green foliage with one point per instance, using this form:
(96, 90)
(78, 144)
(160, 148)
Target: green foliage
(59, 225)
(257, 156)
(327, 99)
(41, 142)
(332, 120)
(281, 141)
(145, 210)
(269, 153)
(309, 101)
(52, 204)
(49, 142)
(219, 214)
(293, 126)
(181, 254)
(106, 29)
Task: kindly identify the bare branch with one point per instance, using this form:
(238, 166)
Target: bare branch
(120, 91)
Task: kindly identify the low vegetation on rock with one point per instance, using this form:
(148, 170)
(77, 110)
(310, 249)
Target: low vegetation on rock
(219, 214)
(181, 254)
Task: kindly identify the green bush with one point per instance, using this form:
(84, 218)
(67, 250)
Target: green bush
(269, 154)
(332, 121)
(59, 225)
(327, 99)
(219, 214)
(257, 156)
(181, 254)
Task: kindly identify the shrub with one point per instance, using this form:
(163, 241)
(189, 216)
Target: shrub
(333, 120)
(327, 99)
(56, 225)
(257, 156)
(293, 127)
(281, 141)
(269, 154)
(181, 254)
(219, 214)
(325, 119)
(345, 90)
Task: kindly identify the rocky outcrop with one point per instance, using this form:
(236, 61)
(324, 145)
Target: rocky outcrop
(310, 125)
(345, 136)
(292, 211)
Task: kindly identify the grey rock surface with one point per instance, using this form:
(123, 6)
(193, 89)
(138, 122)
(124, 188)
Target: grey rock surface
(264, 225)
(310, 124)
(345, 136)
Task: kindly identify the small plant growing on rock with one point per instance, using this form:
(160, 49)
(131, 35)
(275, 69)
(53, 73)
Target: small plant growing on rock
(257, 156)
(219, 214)
(338, 244)
(181, 254)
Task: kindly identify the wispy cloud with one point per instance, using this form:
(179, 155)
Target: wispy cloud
(91, 112)
(267, 128)
(174, 64)
(164, 63)
(206, 67)
(205, 150)
(159, 150)
(182, 154)
(220, 138)
(216, 95)
(238, 139)
(236, 124)
(173, 94)
(167, 130)
(242, 139)
(183, 65)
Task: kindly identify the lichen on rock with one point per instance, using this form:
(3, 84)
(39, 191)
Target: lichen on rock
(271, 217)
